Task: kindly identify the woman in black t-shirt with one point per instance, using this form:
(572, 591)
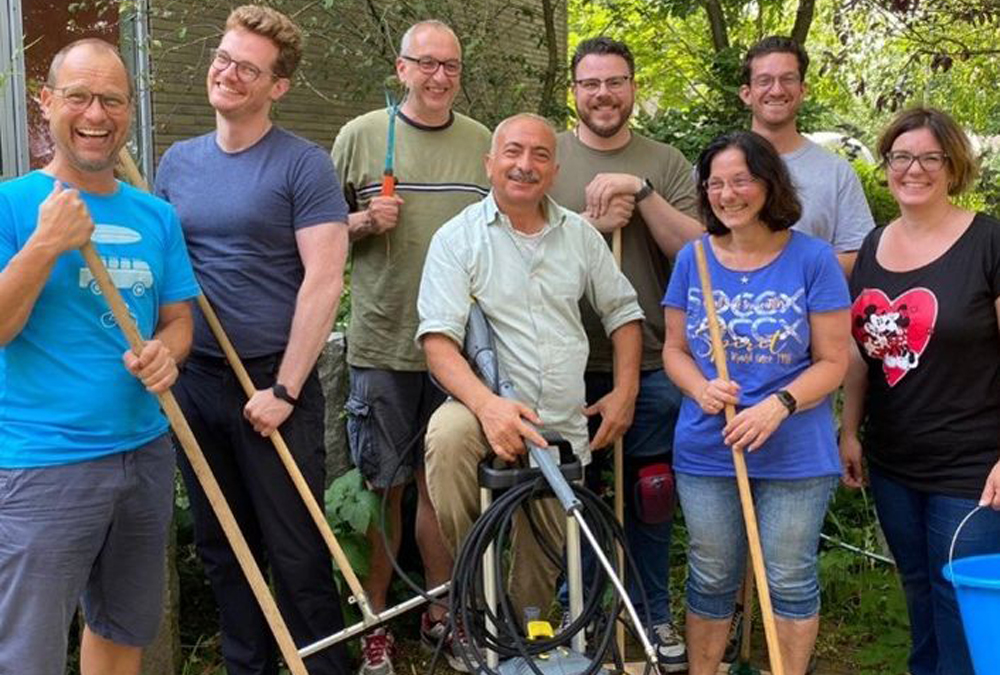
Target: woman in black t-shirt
(925, 377)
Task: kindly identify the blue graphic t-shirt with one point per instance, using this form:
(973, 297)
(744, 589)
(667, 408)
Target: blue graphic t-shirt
(65, 395)
(764, 317)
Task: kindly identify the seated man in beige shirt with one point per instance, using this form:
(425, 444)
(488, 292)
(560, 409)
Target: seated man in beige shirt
(527, 262)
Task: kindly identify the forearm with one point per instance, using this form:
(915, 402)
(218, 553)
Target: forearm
(452, 371)
(855, 389)
(683, 371)
(626, 346)
(176, 334)
(817, 382)
(671, 228)
(360, 225)
(21, 282)
(315, 309)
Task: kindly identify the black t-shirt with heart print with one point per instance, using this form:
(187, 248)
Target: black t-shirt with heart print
(931, 341)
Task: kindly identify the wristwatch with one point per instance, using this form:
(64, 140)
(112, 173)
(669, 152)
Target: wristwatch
(644, 191)
(281, 392)
(787, 400)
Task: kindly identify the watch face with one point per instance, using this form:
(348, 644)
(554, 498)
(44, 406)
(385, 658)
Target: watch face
(787, 400)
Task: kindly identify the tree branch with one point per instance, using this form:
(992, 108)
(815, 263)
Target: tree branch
(803, 20)
(717, 22)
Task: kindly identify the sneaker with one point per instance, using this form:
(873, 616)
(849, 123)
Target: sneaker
(735, 638)
(377, 651)
(432, 631)
(670, 649)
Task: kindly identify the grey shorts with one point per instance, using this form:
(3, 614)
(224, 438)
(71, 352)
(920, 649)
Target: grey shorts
(93, 532)
(387, 414)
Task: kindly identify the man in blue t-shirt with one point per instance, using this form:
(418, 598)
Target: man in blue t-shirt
(86, 467)
(268, 239)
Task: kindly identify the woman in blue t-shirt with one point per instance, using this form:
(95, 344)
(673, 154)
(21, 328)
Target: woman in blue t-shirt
(925, 378)
(782, 304)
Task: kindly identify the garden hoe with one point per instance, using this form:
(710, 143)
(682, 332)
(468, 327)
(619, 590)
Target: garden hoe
(130, 171)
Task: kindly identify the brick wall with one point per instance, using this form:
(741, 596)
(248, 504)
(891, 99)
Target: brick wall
(344, 67)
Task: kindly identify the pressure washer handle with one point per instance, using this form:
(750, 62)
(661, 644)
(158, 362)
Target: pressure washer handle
(553, 476)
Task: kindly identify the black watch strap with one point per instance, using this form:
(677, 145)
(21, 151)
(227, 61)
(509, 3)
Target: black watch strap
(281, 392)
(787, 400)
(644, 191)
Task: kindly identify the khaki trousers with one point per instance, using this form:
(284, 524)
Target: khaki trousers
(455, 444)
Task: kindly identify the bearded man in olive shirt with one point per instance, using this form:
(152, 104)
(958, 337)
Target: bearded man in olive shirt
(621, 180)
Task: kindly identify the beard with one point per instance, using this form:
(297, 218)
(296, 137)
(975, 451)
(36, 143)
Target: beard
(605, 130)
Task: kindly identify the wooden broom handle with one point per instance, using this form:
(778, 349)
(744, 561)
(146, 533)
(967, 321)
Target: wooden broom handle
(742, 480)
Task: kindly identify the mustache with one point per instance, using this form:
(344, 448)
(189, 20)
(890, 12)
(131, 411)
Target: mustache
(523, 176)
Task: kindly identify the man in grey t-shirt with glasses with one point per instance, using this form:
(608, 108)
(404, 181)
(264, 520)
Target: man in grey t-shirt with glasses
(833, 203)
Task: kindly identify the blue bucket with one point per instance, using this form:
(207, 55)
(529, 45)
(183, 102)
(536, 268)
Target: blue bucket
(977, 587)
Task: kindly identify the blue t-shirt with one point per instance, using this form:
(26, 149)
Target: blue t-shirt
(240, 212)
(765, 331)
(65, 395)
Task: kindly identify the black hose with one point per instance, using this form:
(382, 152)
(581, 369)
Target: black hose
(468, 598)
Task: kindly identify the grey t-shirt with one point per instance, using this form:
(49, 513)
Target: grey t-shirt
(833, 203)
(239, 212)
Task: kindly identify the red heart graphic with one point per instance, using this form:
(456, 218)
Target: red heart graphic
(896, 332)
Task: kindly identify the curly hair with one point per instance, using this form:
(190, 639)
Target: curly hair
(275, 26)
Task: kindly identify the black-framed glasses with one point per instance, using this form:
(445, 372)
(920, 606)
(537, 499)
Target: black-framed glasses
(900, 161)
(78, 98)
(613, 84)
(246, 72)
(429, 65)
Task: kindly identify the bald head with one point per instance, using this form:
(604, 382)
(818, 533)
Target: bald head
(86, 48)
(406, 43)
(531, 119)
(522, 162)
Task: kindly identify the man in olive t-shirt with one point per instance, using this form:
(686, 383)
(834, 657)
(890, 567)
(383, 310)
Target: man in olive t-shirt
(621, 180)
(439, 168)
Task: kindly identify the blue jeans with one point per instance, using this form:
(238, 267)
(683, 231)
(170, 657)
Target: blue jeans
(649, 439)
(790, 516)
(919, 527)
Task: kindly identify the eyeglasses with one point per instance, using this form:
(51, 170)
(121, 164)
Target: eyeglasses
(246, 72)
(900, 161)
(613, 84)
(429, 65)
(739, 184)
(787, 81)
(79, 98)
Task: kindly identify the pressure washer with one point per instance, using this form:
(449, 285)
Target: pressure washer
(496, 643)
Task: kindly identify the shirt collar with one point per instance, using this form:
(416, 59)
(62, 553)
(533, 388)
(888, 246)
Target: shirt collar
(555, 215)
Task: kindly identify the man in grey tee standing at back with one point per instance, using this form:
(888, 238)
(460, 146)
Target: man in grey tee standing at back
(833, 203)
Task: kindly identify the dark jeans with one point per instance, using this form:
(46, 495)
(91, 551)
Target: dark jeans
(270, 514)
(919, 527)
(648, 440)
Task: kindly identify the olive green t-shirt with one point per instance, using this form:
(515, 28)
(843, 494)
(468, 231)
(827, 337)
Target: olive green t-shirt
(439, 171)
(643, 263)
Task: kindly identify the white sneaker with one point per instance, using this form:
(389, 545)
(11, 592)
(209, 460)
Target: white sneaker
(670, 649)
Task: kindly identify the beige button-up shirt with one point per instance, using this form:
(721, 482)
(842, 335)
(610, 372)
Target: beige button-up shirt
(530, 294)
